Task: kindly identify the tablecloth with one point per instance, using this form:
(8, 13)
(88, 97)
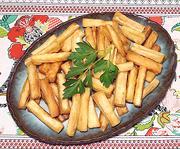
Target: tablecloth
(160, 129)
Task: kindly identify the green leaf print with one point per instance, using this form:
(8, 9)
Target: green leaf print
(3, 32)
(142, 126)
(70, 17)
(134, 133)
(9, 18)
(176, 27)
(4, 25)
(19, 132)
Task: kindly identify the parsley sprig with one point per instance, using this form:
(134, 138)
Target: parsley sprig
(110, 71)
(84, 59)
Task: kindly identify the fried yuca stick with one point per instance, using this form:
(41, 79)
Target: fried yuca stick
(120, 59)
(50, 58)
(74, 115)
(48, 42)
(56, 97)
(64, 104)
(93, 120)
(102, 119)
(106, 33)
(147, 31)
(67, 45)
(76, 37)
(109, 52)
(24, 95)
(122, 110)
(151, 54)
(113, 56)
(125, 66)
(134, 32)
(151, 40)
(136, 36)
(120, 89)
(55, 89)
(54, 68)
(86, 22)
(106, 108)
(50, 70)
(142, 61)
(67, 33)
(52, 48)
(150, 87)
(44, 68)
(137, 101)
(124, 40)
(126, 47)
(49, 98)
(106, 42)
(98, 86)
(103, 122)
(83, 114)
(43, 116)
(131, 84)
(124, 20)
(41, 76)
(94, 35)
(33, 82)
(100, 41)
(117, 42)
(150, 76)
(89, 37)
(154, 55)
(55, 93)
(28, 61)
(66, 67)
(156, 47)
(70, 103)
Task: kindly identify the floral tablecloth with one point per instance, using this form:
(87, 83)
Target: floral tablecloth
(17, 32)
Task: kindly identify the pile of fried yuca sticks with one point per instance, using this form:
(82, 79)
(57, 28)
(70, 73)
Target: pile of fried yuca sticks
(135, 53)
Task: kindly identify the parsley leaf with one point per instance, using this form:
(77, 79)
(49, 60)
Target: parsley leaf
(84, 55)
(88, 80)
(110, 71)
(82, 59)
(100, 66)
(73, 87)
(74, 71)
(79, 76)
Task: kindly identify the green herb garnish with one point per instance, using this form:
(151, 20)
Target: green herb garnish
(84, 59)
(110, 71)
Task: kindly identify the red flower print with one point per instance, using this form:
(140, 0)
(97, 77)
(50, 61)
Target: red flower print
(15, 32)
(23, 21)
(41, 18)
(53, 22)
(16, 51)
(157, 19)
(151, 130)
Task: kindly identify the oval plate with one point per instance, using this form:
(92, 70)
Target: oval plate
(36, 129)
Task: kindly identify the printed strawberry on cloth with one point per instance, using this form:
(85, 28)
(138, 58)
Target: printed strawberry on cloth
(18, 32)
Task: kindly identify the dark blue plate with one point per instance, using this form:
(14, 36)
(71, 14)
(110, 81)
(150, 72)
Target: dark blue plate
(36, 129)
